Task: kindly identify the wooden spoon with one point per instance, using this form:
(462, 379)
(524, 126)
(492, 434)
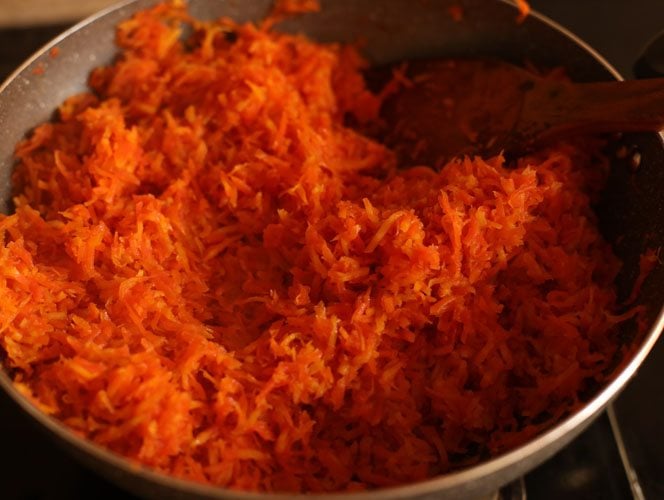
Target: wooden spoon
(457, 107)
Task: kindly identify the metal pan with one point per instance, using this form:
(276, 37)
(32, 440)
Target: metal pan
(631, 211)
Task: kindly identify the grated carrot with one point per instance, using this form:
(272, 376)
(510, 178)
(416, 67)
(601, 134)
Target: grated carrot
(524, 10)
(209, 273)
(647, 262)
(456, 13)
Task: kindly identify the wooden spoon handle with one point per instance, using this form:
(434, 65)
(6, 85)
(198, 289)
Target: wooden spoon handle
(632, 105)
(629, 106)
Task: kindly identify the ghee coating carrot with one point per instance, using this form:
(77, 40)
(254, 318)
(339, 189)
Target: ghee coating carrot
(209, 273)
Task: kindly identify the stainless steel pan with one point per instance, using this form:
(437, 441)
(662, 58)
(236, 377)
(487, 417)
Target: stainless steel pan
(631, 211)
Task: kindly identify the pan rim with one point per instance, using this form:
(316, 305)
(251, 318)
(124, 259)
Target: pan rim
(451, 482)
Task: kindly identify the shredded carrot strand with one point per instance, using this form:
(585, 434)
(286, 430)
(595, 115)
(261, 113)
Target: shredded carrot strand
(524, 10)
(647, 263)
(209, 273)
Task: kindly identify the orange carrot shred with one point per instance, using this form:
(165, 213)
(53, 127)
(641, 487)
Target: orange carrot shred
(456, 13)
(524, 10)
(647, 262)
(210, 273)
(296, 6)
(283, 9)
(39, 69)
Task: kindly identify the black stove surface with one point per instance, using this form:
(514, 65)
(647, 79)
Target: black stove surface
(589, 468)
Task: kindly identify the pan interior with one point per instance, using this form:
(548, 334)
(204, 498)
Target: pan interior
(631, 210)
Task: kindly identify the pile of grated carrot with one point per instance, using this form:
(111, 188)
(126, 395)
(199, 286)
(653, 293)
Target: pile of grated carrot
(209, 273)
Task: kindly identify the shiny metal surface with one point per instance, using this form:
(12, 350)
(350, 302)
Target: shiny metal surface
(635, 486)
(631, 211)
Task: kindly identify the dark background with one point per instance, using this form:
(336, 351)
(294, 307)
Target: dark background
(32, 467)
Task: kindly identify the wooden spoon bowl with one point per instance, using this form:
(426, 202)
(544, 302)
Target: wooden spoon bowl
(448, 108)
